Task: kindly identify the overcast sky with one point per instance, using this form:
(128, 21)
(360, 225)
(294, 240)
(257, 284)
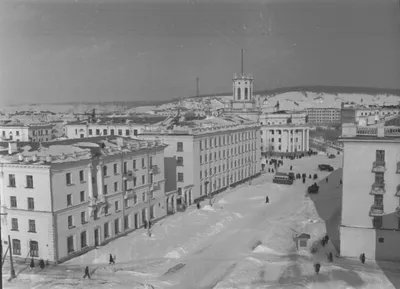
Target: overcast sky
(55, 51)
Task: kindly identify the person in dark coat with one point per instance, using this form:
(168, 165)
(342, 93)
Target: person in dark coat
(41, 264)
(317, 268)
(304, 181)
(326, 179)
(266, 199)
(111, 260)
(32, 264)
(341, 181)
(149, 224)
(198, 206)
(362, 258)
(145, 224)
(331, 257)
(291, 167)
(87, 274)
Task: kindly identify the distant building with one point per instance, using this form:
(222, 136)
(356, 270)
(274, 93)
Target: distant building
(206, 156)
(283, 117)
(370, 221)
(34, 132)
(347, 114)
(126, 126)
(63, 198)
(323, 115)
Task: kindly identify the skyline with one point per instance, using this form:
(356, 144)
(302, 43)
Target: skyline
(128, 50)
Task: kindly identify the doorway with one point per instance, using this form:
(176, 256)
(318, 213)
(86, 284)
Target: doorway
(136, 221)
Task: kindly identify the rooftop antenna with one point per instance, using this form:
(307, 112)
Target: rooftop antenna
(197, 87)
(242, 60)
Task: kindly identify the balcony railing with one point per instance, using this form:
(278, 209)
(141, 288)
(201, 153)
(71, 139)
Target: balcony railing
(376, 210)
(97, 202)
(128, 174)
(378, 189)
(379, 167)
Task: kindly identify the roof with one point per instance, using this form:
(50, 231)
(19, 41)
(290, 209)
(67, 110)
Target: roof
(121, 120)
(303, 236)
(71, 150)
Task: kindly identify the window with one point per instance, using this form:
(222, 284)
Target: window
(69, 200)
(377, 222)
(116, 226)
(34, 248)
(29, 181)
(13, 201)
(135, 132)
(126, 185)
(201, 159)
(116, 206)
(14, 224)
(143, 197)
(151, 178)
(152, 212)
(31, 204)
(83, 240)
(97, 132)
(134, 164)
(68, 178)
(120, 132)
(90, 131)
(116, 187)
(179, 161)
(81, 176)
(104, 131)
(106, 233)
(180, 177)
(143, 166)
(112, 131)
(70, 244)
(134, 199)
(11, 180)
(201, 145)
(151, 161)
(115, 169)
(381, 240)
(134, 181)
(70, 222)
(105, 171)
(82, 193)
(380, 156)
(32, 226)
(378, 200)
(105, 189)
(105, 208)
(127, 132)
(126, 203)
(16, 246)
(143, 180)
(126, 222)
(179, 146)
(125, 167)
(83, 217)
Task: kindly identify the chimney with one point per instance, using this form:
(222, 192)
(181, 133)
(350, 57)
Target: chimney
(12, 147)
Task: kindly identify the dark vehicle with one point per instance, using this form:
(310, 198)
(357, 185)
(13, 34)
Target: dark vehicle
(325, 168)
(313, 189)
(291, 175)
(282, 178)
(332, 156)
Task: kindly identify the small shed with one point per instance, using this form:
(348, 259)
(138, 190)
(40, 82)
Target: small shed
(301, 240)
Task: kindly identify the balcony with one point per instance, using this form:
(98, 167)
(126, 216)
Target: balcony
(155, 169)
(376, 210)
(377, 189)
(378, 167)
(128, 175)
(97, 202)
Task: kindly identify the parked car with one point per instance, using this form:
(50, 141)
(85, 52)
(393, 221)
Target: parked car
(282, 178)
(332, 156)
(325, 168)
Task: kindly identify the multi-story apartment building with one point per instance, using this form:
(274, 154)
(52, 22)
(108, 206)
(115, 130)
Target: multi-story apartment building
(285, 138)
(283, 117)
(63, 198)
(34, 132)
(370, 221)
(109, 126)
(207, 156)
(323, 115)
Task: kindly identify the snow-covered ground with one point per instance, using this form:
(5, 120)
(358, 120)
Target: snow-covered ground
(238, 242)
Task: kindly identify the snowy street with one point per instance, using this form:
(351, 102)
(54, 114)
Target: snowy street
(239, 242)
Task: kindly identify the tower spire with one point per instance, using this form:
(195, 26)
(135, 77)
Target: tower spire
(242, 61)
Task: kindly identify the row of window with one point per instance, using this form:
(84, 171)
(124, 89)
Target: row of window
(14, 204)
(279, 140)
(112, 132)
(28, 181)
(215, 170)
(68, 176)
(31, 227)
(279, 131)
(228, 139)
(234, 152)
(33, 247)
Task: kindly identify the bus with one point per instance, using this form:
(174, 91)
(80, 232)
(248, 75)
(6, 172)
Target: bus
(282, 178)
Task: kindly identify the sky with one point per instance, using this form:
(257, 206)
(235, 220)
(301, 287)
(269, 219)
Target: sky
(116, 50)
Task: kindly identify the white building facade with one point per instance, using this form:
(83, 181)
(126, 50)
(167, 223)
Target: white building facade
(370, 221)
(69, 197)
(285, 138)
(39, 132)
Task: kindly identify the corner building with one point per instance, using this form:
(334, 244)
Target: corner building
(63, 198)
(207, 156)
(370, 220)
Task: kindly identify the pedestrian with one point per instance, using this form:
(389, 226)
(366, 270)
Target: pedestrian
(341, 181)
(331, 257)
(310, 177)
(149, 224)
(326, 179)
(266, 199)
(41, 264)
(198, 206)
(304, 181)
(362, 258)
(111, 260)
(145, 224)
(32, 265)
(317, 268)
(86, 273)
